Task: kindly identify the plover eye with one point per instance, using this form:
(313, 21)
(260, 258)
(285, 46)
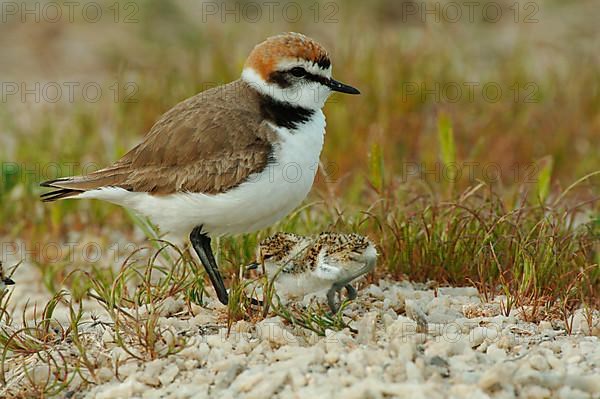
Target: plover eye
(298, 72)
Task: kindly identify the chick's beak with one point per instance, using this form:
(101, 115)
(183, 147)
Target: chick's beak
(252, 266)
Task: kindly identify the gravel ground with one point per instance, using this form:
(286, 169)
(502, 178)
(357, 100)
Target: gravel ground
(457, 347)
(407, 341)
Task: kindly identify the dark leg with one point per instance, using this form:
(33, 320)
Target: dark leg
(345, 283)
(201, 244)
(351, 291)
(335, 289)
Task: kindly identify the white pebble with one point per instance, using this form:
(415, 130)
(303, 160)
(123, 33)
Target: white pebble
(479, 334)
(496, 354)
(126, 389)
(413, 373)
(366, 328)
(586, 383)
(414, 312)
(535, 392)
(403, 327)
(271, 330)
(40, 375)
(570, 393)
(458, 291)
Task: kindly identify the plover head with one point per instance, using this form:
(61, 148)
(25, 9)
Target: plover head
(347, 251)
(281, 251)
(293, 68)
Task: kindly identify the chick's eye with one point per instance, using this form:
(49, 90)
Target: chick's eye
(298, 71)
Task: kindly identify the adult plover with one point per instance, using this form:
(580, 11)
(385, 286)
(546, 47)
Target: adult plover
(4, 281)
(301, 265)
(230, 160)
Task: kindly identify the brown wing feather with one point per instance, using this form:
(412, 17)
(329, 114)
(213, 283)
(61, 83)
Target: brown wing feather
(209, 143)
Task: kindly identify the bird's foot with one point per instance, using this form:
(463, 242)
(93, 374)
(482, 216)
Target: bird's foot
(336, 289)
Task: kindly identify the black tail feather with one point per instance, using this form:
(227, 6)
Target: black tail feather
(59, 194)
(51, 183)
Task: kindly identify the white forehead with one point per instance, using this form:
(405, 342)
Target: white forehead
(310, 66)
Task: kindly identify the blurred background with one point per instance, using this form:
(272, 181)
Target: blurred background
(454, 94)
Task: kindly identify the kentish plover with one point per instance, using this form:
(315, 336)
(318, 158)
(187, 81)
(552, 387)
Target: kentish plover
(301, 265)
(218, 163)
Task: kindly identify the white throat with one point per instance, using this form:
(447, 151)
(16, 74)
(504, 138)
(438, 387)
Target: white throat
(311, 95)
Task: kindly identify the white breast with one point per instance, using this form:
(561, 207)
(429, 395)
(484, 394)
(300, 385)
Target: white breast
(259, 202)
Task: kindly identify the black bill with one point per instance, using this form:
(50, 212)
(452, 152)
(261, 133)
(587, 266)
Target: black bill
(341, 87)
(252, 266)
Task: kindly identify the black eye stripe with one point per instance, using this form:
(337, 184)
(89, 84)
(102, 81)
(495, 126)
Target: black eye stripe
(282, 81)
(311, 76)
(316, 78)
